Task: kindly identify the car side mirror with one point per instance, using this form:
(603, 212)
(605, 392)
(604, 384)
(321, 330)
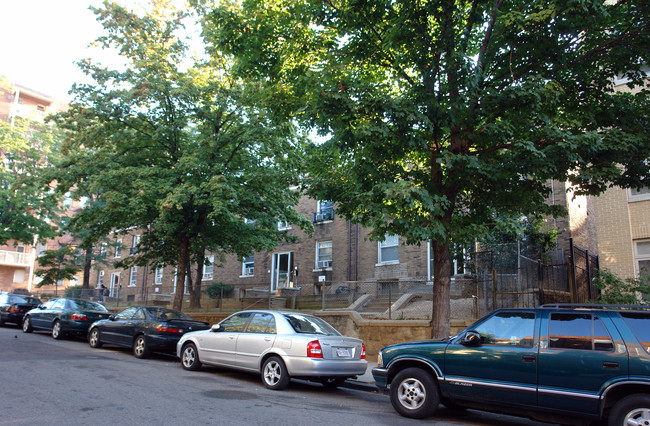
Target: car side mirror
(216, 327)
(111, 317)
(41, 306)
(471, 338)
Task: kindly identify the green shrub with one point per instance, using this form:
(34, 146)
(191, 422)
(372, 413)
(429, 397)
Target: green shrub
(218, 289)
(617, 291)
(73, 292)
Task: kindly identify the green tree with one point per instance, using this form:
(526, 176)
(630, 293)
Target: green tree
(446, 119)
(176, 147)
(25, 147)
(58, 265)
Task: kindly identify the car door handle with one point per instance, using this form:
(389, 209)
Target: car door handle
(610, 364)
(529, 358)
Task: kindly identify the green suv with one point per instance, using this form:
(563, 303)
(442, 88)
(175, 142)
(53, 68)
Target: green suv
(549, 363)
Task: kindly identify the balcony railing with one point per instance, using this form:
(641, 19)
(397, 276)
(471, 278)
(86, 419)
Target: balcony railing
(14, 258)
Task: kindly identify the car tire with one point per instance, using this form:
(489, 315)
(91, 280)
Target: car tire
(190, 357)
(332, 382)
(414, 393)
(95, 338)
(57, 331)
(140, 347)
(27, 325)
(630, 409)
(274, 373)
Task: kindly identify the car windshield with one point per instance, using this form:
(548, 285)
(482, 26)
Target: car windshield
(86, 305)
(310, 325)
(168, 314)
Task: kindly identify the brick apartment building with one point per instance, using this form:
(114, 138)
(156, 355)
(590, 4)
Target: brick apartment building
(18, 260)
(338, 254)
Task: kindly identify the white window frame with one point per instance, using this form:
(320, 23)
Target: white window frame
(208, 270)
(640, 256)
(133, 276)
(158, 275)
(102, 250)
(118, 249)
(185, 290)
(100, 278)
(454, 260)
(324, 261)
(642, 195)
(390, 241)
(283, 226)
(248, 266)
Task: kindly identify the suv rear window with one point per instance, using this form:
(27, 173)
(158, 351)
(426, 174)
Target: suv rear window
(579, 331)
(639, 323)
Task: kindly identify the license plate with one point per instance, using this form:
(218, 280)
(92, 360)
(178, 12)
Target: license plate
(343, 352)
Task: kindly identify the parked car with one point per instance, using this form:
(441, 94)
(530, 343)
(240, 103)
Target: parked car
(14, 306)
(278, 346)
(145, 329)
(573, 361)
(63, 316)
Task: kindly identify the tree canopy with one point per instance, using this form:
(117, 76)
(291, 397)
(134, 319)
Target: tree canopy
(25, 206)
(444, 119)
(178, 147)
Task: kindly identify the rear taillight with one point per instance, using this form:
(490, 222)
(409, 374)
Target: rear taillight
(314, 350)
(363, 351)
(80, 317)
(13, 309)
(164, 329)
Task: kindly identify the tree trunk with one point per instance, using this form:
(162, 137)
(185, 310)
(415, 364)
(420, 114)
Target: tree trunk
(195, 290)
(441, 290)
(183, 260)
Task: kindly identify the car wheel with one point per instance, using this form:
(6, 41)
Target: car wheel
(631, 410)
(140, 348)
(27, 325)
(332, 382)
(274, 373)
(95, 338)
(190, 358)
(57, 332)
(414, 393)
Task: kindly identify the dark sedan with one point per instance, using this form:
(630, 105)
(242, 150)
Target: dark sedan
(64, 316)
(145, 329)
(14, 306)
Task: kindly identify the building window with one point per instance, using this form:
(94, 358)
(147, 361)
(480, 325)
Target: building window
(102, 250)
(208, 268)
(158, 275)
(118, 249)
(248, 266)
(133, 276)
(100, 278)
(642, 257)
(283, 226)
(389, 249)
(459, 255)
(136, 242)
(325, 211)
(642, 194)
(324, 254)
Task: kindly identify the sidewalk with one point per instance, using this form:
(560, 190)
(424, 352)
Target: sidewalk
(364, 382)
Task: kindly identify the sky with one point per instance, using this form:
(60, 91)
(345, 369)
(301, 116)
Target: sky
(41, 40)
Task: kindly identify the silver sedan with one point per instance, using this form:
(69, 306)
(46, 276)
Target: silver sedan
(278, 346)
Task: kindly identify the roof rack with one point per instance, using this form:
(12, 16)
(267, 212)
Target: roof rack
(592, 306)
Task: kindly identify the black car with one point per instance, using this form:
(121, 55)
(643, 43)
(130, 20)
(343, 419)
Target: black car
(14, 306)
(145, 329)
(64, 316)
